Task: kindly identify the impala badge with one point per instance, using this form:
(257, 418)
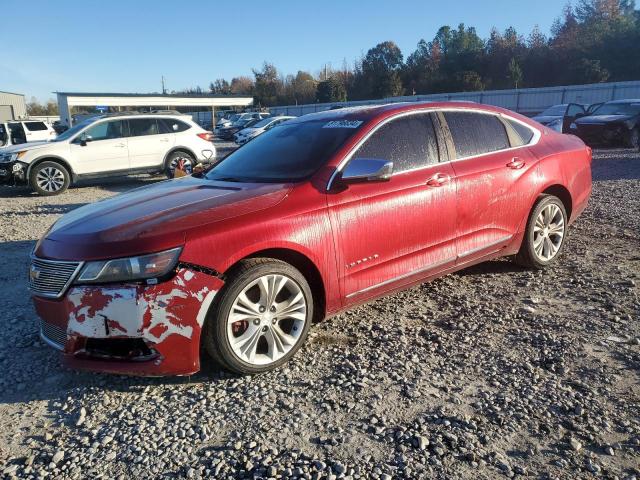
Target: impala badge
(363, 260)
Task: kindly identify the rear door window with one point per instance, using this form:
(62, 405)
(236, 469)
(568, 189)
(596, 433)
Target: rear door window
(409, 142)
(476, 133)
(140, 127)
(35, 126)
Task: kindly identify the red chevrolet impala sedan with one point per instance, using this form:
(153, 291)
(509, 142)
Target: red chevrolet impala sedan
(318, 214)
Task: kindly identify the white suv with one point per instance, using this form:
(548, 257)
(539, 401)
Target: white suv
(114, 144)
(16, 132)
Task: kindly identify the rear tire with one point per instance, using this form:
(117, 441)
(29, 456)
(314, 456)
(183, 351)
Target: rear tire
(49, 178)
(261, 318)
(634, 138)
(179, 160)
(545, 234)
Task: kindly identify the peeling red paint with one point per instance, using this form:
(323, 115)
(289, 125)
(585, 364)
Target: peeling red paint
(168, 316)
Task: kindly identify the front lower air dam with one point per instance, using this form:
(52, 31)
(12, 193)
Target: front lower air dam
(134, 329)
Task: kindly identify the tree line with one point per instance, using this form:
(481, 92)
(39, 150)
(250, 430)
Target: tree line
(593, 41)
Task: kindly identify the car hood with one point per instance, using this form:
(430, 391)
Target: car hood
(24, 146)
(153, 218)
(599, 119)
(545, 119)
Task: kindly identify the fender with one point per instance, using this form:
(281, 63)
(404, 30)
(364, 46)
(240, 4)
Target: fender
(56, 158)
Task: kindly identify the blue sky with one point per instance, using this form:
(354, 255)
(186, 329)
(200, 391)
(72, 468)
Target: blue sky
(126, 46)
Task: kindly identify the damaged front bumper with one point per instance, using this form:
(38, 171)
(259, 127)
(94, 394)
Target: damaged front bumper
(134, 329)
(13, 173)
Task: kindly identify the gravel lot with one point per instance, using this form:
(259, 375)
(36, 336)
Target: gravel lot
(494, 371)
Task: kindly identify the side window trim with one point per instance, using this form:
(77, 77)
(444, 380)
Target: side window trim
(443, 124)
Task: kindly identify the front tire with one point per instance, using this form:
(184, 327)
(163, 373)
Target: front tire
(545, 234)
(262, 317)
(49, 178)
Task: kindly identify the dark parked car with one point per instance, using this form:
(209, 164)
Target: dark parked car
(615, 123)
(559, 117)
(227, 133)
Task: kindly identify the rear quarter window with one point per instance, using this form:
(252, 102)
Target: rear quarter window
(35, 126)
(171, 125)
(525, 133)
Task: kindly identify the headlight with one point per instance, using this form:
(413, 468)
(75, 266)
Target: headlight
(12, 157)
(143, 267)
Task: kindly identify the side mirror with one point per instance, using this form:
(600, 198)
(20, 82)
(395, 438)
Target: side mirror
(83, 139)
(367, 170)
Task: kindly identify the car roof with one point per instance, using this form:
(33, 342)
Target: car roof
(626, 100)
(142, 114)
(366, 113)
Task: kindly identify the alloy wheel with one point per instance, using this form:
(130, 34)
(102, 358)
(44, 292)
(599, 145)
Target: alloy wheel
(548, 232)
(181, 163)
(266, 319)
(50, 179)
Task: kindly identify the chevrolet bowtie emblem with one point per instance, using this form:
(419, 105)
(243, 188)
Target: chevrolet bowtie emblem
(34, 273)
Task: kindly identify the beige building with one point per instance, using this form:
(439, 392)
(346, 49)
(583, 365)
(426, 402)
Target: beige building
(12, 106)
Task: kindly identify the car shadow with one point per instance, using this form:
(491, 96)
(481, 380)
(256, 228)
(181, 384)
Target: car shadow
(498, 266)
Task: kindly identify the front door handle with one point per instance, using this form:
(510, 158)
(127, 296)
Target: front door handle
(516, 163)
(438, 180)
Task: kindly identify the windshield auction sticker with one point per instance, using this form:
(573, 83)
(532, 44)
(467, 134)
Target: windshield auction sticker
(343, 124)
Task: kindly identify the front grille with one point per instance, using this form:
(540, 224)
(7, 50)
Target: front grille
(53, 335)
(50, 278)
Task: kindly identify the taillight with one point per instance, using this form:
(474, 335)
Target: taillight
(208, 136)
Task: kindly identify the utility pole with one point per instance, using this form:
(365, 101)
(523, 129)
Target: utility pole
(163, 89)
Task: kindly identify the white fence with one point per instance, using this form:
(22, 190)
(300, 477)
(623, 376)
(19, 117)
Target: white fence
(528, 101)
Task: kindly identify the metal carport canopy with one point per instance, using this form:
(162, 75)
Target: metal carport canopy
(66, 100)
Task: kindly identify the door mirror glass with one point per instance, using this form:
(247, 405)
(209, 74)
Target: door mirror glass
(367, 170)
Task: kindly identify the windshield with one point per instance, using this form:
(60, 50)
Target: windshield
(285, 153)
(618, 109)
(555, 111)
(73, 130)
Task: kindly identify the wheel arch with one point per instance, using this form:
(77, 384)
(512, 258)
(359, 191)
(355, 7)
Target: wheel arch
(304, 264)
(52, 158)
(562, 193)
(178, 148)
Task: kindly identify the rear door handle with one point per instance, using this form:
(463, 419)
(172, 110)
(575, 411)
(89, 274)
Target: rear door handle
(164, 139)
(438, 180)
(120, 145)
(516, 163)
